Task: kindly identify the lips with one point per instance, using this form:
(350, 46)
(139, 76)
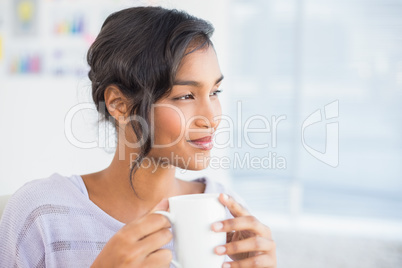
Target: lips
(204, 139)
(204, 143)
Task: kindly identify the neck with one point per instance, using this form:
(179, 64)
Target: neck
(152, 182)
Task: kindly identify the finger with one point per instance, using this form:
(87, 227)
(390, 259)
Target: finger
(234, 207)
(146, 225)
(255, 243)
(154, 241)
(246, 223)
(162, 205)
(257, 261)
(150, 222)
(159, 258)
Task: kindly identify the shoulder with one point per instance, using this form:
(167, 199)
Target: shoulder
(36, 197)
(21, 225)
(213, 186)
(53, 189)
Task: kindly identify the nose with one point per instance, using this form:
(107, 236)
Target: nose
(208, 116)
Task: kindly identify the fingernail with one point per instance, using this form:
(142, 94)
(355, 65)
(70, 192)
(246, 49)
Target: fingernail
(226, 265)
(217, 226)
(220, 249)
(225, 197)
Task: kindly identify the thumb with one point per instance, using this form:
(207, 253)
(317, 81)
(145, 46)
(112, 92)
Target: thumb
(162, 205)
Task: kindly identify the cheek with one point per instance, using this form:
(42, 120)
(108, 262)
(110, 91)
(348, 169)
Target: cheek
(169, 125)
(218, 112)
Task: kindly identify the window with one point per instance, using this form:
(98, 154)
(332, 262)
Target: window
(291, 58)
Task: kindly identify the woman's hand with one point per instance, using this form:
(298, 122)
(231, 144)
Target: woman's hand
(138, 243)
(249, 242)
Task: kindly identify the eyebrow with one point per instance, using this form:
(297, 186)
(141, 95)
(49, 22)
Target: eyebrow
(193, 83)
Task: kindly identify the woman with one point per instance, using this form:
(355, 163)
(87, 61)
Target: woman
(155, 76)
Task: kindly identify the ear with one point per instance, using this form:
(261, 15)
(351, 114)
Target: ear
(116, 103)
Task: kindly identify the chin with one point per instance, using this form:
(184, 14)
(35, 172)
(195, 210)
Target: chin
(199, 165)
(195, 165)
(196, 168)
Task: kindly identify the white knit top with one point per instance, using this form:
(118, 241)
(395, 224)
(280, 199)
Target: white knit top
(51, 222)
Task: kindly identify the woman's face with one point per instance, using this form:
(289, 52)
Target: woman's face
(191, 111)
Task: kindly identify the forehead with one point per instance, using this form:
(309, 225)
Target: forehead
(201, 64)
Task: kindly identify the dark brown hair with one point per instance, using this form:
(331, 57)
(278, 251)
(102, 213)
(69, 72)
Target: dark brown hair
(139, 50)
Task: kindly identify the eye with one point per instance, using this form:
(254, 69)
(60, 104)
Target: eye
(216, 92)
(188, 96)
(184, 97)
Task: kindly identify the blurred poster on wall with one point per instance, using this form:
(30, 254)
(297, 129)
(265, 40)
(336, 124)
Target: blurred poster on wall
(25, 18)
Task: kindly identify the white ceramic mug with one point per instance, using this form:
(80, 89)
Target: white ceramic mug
(191, 217)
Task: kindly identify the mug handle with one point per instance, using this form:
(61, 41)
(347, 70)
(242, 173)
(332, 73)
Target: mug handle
(170, 218)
